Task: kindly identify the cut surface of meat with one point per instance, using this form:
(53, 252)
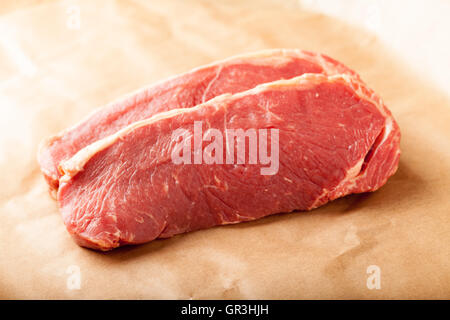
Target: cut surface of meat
(335, 137)
(233, 75)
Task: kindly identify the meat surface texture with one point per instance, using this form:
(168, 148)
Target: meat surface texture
(233, 75)
(336, 137)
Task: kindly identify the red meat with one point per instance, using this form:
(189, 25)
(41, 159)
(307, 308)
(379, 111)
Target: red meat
(335, 138)
(184, 91)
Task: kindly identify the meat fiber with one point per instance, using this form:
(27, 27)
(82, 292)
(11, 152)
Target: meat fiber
(336, 137)
(184, 91)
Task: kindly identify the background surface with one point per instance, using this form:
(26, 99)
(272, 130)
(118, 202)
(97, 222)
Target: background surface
(61, 59)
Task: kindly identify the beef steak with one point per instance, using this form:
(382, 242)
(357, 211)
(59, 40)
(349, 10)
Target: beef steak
(233, 75)
(335, 138)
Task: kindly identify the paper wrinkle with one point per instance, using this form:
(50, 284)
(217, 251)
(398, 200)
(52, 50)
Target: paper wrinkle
(360, 240)
(18, 56)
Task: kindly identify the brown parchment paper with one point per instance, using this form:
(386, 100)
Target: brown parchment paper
(53, 72)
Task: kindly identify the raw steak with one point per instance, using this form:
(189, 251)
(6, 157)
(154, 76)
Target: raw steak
(335, 138)
(184, 91)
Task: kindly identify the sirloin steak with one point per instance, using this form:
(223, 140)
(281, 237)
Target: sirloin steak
(336, 137)
(233, 75)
